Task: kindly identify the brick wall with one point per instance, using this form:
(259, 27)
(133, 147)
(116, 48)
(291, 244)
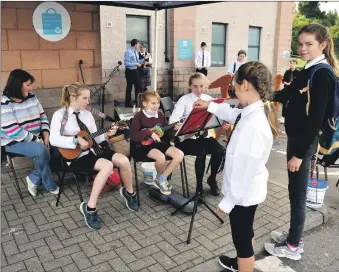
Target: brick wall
(53, 64)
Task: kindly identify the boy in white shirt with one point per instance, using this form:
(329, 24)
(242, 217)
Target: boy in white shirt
(202, 59)
(249, 146)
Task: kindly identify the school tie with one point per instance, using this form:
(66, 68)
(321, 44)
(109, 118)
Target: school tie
(83, 127)
(235, 124)
(203, 58)
(291, 76)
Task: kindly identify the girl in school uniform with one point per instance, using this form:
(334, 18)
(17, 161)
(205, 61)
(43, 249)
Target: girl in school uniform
(193, 145)
(75, 99)
(143, 121)
(309, 105)
(245, 174)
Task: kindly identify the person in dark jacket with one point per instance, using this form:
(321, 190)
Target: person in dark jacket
(308, 107)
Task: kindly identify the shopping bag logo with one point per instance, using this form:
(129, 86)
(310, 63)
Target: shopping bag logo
(51, 22)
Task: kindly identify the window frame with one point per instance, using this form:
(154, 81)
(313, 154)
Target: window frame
(148, 30)
(255, 46)
(224, 44)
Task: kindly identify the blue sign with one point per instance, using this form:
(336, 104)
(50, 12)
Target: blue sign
(51, 22)
(185, 49)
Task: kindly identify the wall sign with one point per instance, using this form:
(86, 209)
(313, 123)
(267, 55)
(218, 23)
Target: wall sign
(51, 21)
(185, 49)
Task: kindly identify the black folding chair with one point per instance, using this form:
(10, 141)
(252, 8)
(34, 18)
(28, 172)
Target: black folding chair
(136, 159)
(10, 157)
(167, 105)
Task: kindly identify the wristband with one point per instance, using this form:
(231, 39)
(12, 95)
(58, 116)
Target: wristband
(75, 140)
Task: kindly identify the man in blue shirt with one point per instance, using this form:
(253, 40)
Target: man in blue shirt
(132, 62)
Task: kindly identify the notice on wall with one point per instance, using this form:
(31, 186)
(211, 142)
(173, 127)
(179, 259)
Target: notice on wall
(51, 21)
(185, 49)
(286, 54)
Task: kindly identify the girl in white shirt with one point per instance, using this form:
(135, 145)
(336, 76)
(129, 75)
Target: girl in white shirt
(192, 145)
(245, 174)
(75, 99)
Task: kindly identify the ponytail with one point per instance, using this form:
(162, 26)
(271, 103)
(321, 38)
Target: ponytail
(74, 90)
(144, 97)
(329, 53)
(140, 99)
(65, 96)
(272, 117)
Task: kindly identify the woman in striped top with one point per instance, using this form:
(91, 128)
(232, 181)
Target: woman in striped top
(25, 129)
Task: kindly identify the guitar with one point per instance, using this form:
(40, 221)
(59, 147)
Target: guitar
(72, 154)
(158, 130)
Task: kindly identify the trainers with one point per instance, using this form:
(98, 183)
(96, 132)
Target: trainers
(56, 191)
(91, 218)
(214, 186)
(283, 251)
(131, 201)
(228, 263)
(281, 237)
(164, 187)
(32, 188)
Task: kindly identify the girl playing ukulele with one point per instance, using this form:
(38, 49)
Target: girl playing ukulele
(143, 121)
(75, 99)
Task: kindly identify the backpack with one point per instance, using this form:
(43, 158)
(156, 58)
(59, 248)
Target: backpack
(329, 132)
(234, 66)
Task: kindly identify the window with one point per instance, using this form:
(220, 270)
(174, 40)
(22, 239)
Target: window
(253, 43)
(137, 27)
(218, 44)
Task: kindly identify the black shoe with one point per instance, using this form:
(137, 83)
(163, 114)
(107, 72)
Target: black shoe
(228, 263)
(128, 105)
(214, 186)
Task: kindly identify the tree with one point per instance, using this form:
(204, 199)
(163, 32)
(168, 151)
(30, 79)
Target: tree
(334, 31)
(311, 10)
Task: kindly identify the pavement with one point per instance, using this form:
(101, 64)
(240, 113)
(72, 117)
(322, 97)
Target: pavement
(38, 236)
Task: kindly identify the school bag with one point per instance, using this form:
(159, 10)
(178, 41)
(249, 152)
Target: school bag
(329, 132)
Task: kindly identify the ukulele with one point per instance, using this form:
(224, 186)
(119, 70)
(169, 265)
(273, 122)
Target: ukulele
(159, 130)
(72, 154)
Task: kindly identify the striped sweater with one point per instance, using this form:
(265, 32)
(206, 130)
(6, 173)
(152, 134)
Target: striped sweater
(23, 121)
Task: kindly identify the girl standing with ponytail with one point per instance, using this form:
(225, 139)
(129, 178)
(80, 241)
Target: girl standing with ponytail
(309, 105)
(249, 147)
(75, 99)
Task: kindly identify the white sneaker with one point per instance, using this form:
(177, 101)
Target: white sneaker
(32, 188)
(56, 191)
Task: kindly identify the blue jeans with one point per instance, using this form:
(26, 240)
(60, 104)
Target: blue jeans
(40, 154)
(297, 188)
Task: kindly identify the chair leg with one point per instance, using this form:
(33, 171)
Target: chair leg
(182, 180)
(208, 167)
(61, 184)
(325, 170)
(78, 187)
(136, 180)
(317, 169)
(185, 173)
(16, 178)
(337, 183)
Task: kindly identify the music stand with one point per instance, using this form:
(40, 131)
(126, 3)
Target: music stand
(197, 122)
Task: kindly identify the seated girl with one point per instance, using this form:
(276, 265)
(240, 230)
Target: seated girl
(147, 118)
(69, 120)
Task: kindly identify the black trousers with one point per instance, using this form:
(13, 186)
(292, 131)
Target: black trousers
(241, 219)
(211, 146)
(297, 189)
(132, 78)
(203, 71)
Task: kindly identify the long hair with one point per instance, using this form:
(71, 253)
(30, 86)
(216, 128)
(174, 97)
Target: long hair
(260, 77)
(73, 89)
(13, 87)
(322, 34)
